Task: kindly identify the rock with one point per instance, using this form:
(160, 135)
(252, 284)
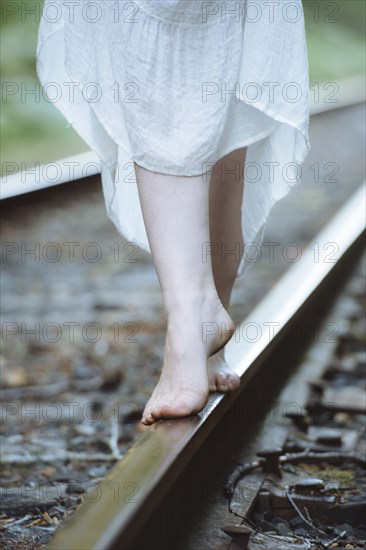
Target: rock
(21, 500)
(75, 488)
(14, 377)
(82, 372)
(283, 529)
(265, 525)
(301, 531)
(296, 522)
(112, 380)
(48, 471)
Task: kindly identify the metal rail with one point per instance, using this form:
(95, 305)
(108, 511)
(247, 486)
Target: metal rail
(350, 91)
(137, 483)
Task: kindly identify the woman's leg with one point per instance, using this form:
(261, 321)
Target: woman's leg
(176, 215)
(226, 197)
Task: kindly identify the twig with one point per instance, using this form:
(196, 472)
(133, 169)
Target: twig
(335, 539)
(17, 522)
(310, 523)
(57, 455)
(113, 440)
(51, 390)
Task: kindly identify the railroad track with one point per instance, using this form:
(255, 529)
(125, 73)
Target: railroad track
(117, 511)
(349, 91)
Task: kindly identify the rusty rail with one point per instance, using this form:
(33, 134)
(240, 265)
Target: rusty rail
(117, 510)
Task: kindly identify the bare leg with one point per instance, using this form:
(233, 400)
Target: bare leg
(176, 216)
(226, 195)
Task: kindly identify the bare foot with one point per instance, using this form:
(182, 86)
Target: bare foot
(220, 376)
(195, 331)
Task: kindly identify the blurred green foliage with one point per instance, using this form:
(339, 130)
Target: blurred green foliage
(33, 130)
(335, 38)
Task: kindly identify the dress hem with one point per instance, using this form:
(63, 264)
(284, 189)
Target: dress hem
(120, 194)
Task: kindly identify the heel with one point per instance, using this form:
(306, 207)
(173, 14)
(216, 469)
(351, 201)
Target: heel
(228, 332)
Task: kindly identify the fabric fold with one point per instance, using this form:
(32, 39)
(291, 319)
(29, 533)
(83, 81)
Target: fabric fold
(216, 84)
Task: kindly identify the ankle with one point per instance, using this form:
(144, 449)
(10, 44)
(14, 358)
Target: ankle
(190, 302)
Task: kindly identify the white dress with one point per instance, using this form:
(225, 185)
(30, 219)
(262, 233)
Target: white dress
(174, 85)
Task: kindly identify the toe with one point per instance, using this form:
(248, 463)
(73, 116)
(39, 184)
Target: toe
(150, 419)
(156, 413)
(147, 417)
(212, 384)
(233, 381)
(222, 382)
